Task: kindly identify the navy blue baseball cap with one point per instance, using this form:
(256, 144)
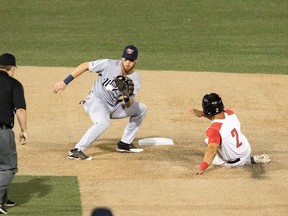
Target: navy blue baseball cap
(130, 52)
(102, 211)
(7, 59)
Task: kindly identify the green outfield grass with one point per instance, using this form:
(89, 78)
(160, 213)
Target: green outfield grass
(203, 35)
(45, 196)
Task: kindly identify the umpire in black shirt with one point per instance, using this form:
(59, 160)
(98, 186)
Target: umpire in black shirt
(12, 101)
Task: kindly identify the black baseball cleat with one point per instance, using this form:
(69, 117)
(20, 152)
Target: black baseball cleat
(3, 210)
(9, 203)
(125, 147)
(76, 154)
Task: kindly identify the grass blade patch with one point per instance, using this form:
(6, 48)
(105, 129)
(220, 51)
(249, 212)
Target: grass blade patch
(45, 195)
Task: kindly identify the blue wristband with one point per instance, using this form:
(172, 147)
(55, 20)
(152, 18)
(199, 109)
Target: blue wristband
(68, 79)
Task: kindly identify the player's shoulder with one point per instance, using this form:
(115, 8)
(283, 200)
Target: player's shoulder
(105, 61)
(113, 62)
(215, 126)
(102, 64)
(15, 81)
(16, 84)
(229, 112)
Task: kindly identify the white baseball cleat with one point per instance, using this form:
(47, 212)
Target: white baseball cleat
(261, 159)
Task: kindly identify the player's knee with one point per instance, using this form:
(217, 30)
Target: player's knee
(143, 109)
(102, 123)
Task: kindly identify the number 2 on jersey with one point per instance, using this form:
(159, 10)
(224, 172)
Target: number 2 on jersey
(234, 133)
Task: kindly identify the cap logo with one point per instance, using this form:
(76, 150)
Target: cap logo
(129, 51)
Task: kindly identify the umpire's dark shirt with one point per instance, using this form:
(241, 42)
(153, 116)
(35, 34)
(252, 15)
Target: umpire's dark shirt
(11, 98)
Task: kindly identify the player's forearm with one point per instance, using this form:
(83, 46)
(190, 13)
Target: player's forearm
(80, 69)
(22, 119)
(199, 113)
(209, 156)
(77, 72)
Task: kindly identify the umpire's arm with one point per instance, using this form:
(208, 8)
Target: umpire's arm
(22, 120)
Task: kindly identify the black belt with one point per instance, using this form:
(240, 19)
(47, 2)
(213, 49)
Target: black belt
(5, 126)
(234, 161)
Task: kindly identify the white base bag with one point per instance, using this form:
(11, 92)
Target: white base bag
(156, 141)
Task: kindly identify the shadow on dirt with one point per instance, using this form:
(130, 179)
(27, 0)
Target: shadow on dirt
(258, 171)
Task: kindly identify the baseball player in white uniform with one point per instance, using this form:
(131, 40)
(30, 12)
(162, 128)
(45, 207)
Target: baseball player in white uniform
(226, 144)
(106, 102)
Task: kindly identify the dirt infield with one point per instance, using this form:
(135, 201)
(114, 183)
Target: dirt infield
(158, 181)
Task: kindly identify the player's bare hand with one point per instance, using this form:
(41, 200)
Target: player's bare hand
(196, 112)
(23, 138)
(197, 172)
(59, 86)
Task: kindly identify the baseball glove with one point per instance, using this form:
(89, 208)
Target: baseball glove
(125, 85)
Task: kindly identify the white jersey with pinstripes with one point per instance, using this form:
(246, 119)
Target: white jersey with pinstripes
(107, 70)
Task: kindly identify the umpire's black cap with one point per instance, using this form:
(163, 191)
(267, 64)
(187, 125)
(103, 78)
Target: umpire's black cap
(130, 52)
(7, 59)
